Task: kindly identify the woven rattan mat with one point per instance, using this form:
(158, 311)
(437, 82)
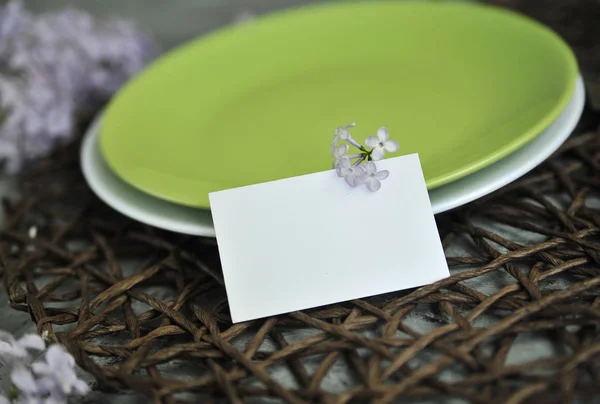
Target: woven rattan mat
(143, 309)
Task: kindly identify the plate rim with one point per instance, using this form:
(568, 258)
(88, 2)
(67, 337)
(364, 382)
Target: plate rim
(521, 157)
(526, 137)
(93, 167)
(440, 202)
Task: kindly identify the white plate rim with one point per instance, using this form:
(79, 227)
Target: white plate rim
(133, 203)
(516, 164)
(195, 221)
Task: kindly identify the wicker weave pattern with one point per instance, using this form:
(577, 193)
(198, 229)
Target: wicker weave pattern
(172, 307)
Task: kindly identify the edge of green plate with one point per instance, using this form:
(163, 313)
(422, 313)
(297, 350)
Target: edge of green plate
(571, 78)
(535, 130)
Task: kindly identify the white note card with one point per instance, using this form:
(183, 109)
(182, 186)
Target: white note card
(313, 240)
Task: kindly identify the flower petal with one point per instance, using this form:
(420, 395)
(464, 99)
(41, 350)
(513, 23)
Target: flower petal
(372, 141)
(42, 369)
(81, 387)
(345, 162)
(361, 177)
(344, 134)
(377, 153)
(23, 379)
(7, 337)
(32, 341)
(10, 353)
(46, 385)
(383, 134)
(371, 168)
(391, 146)
(6, 349)
(341, 150)
(382, 175)
(351, 180)
(66, 380)
(4, 400)
(56, 356)
(373, 184)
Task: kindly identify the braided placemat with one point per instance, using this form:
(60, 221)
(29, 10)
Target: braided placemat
(143, 309)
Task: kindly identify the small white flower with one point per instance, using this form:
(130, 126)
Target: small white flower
(55, 68)
(351, 173)
(16, 351)
(23, 380)
(36, 391)
(342, 133)
(381, 144)
(4, 400)
(372, 178)
(338, 152)
(59, 368)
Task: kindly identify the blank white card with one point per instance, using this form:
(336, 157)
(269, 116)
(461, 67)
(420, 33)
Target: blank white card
(312, 240)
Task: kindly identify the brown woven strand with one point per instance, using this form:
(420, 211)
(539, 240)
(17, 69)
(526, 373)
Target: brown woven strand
(128, 326)
(145, 309)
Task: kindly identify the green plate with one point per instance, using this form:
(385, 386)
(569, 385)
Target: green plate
(460, 84)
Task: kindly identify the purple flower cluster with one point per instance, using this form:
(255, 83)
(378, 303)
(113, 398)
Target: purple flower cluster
(51, 380)
(55, 68)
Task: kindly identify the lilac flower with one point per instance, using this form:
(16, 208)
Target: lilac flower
(338, 153)
(13, 351)
(55, 68)
(381, 144)
(13, 22)
(36, 390)
(372, 178)
(58, 373)
(23, 380)
(351, 173)
(342, 133)
(358, 173)
(51, 381)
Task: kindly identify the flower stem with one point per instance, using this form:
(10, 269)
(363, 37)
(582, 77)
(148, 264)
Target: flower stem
(355, 144)
(13, 393)
(357, 163)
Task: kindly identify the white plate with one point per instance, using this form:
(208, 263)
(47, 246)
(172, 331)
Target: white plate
(170, 216)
